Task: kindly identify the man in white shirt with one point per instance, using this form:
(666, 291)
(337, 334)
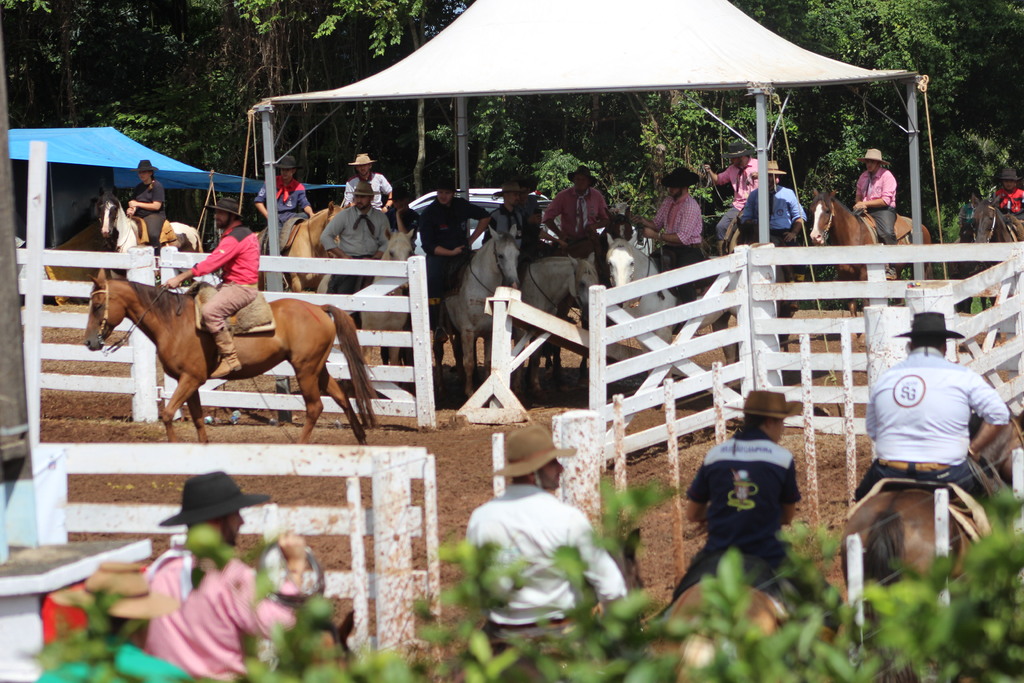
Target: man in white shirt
(919, 410)
(528, 524)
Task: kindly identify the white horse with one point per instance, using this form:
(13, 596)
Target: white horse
(547, 283)
(626, 263)
(493, 265)
(399, 249)
(117, 227)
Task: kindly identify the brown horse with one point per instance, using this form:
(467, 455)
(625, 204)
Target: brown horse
(832, 222)
(304, 336)
(306, 244)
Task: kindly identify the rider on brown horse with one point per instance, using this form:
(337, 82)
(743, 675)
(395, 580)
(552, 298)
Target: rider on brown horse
(876, 195)
(745, 491)
(918, 414)
(1009, 197)
(238, 258)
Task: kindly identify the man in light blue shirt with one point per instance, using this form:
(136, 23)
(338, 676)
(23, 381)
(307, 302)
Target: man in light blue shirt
(918, 413)
(785, 215)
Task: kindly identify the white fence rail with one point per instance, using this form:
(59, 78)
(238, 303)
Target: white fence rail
(392, 522)
(406, 391)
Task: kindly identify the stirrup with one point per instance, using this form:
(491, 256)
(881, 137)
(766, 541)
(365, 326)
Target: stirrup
(227, 365)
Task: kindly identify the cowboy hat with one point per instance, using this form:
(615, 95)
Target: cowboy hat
(509, 187)
(210, 496)
(770, 404)
(128, 582)
(227, 204)
(585, 171)
(144, 165)
(287, 161)
(680, 177)
(738, 149)
(773, 168)
(363, 189)
(445, 185)
(528, 449)
(362, 158)
(930, 324)
(1008, 174)
(873, 155)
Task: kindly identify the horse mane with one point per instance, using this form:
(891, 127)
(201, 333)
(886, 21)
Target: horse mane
(163, 303)
(884, 546)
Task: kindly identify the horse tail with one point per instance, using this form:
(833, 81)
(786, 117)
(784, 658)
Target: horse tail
(884, 547)
(362, 388)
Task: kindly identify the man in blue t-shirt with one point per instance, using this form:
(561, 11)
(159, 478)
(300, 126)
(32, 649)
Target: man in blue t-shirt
(745, 491)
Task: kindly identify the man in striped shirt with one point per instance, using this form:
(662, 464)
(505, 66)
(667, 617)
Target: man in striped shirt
(677, 226)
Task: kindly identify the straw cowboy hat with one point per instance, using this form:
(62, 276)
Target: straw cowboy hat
(773, 168)
(362, 158)
(873, 155)
(1008, 174)
(529, 449)
(738, 149)
(680, 177)
(144, 165)
(585, 171)
(210, 496)
(126, 581)
(287, 161)
(228, 204)
(770, 404)
(510, 187)
(363, 189)
(932, 325)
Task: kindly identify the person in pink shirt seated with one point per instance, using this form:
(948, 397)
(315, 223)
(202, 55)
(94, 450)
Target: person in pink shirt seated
(876, 196)
(205, 637)
(581, 211)
(237, 256)
(742, 175)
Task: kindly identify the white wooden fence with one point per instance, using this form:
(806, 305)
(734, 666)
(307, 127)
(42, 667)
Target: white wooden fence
(406, 391)
(628, 357)
(392, 522)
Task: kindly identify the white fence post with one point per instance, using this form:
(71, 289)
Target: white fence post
(360, 577)
(619, 427)
(426, 414)
(855, 578)
(718, 399)
(392, 550)
(885, 349)
(762, 310)
(35, 238)
(744, 321)
(672, 450)
(810, 446)
(498, 462)
(1018, 484)
(597, 390)
(581, 481)
(849, 430)
(144, 405)
(942, 532)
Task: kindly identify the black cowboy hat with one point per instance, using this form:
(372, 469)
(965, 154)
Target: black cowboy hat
(445, 185)
(228, 204)
(210, 496)
(1008, 174)
(287, 161)
(585, 171)
(144, 165)
(931, 324)
(738, 149)
(681, 177)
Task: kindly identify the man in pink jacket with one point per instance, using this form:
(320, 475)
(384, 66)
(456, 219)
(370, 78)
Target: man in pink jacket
(205, 636)
(237, 256)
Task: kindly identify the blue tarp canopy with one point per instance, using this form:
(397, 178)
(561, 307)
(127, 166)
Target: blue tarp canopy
(107, 147)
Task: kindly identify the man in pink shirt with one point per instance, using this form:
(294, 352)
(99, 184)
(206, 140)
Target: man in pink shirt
(581, 211)
(742, 174)
(237, 256)
(876, 195)
(678, 227)
(205, 637)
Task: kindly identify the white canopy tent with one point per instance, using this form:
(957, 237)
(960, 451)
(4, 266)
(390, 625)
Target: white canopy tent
(530, 47)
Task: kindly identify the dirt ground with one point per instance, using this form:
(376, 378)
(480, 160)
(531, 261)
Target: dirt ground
(462, 453)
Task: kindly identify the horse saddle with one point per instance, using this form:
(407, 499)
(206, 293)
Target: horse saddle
(288, 232)
(968, 514)
(578, 247)
(167, 234)
(902, 228)
(253, 318)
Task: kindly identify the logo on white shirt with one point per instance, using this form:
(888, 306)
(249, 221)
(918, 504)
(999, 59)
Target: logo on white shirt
(909, 391)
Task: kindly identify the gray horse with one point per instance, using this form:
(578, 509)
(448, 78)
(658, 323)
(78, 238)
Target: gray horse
(492, 266)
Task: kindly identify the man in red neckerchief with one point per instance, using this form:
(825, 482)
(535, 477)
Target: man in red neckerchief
(291, 194)
(237, 256)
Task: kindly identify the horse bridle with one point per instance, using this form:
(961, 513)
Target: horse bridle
(104, 329)
(828, 228)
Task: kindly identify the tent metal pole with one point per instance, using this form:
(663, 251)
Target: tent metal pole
(914, 136)
(266, 112)
(760, 98)
(462, 140)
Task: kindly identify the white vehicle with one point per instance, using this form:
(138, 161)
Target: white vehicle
(484, 197)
